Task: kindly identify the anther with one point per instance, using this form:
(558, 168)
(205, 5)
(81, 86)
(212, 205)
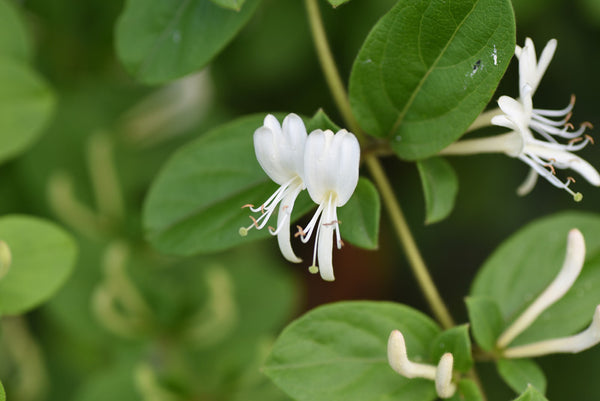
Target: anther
(247, 205)
(589, 138)
(572, 99)
(568, 116)
(575, 140)
(571, 179)
(551, 167)
(254, 222)
(587, 124)
(331, 223)
(300, 232)
(569, 125)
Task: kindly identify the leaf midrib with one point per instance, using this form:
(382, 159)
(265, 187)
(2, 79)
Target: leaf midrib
(413, 95)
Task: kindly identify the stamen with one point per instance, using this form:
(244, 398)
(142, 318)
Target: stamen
(331, 223)
(569, 125)
(254, 222)
(571, 179)
(575, 140)
(250, 205)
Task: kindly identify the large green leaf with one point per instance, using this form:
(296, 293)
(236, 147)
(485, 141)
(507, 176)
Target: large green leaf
(456, 341)
(339, 352)
(520, 373)
(43, 256)
(525, 264)
(360, 216)
(2, 393)
(440, 186)
(428, 68)
(194, 205)
(235, 5)
(467, 391)
(161, 40)
(336, 3)
(486, 321)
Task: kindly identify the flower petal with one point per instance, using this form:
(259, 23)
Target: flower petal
(284, 216)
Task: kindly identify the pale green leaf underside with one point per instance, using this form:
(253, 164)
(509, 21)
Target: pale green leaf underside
(159, 41)
(525, 264)
(428, 68)
(339, 352)
(336, 3)
(531, 394)
(43, 256)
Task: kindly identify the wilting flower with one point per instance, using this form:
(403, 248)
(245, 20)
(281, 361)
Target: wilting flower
(545, 154)
(280, 152)
(331, 174)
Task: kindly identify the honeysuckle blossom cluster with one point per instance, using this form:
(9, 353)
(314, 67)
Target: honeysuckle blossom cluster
(543, 153)
(572, 265)
(324, 163)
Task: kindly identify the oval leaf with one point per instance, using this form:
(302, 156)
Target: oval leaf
(43, 256)
(194, 205)
(428, 68)
(440, 186)
(339, 352)
(467, 391)
(521, 373)
(159, 41)
(14, 40)
(360, 216)
(526, 263)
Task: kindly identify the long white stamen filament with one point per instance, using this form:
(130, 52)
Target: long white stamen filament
(576, 343)
(569, 272)
(441, 375)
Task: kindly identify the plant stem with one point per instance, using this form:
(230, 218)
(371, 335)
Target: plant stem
(389, 199)
(332, 76)
(408, 244)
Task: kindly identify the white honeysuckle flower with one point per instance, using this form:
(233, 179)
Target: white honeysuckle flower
(440, 374)
(280, 152)
(544, 154)
(572, 265)
(331, 173)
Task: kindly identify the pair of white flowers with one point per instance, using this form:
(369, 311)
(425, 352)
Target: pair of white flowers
(442, 374)
(324, 163)
(543, 155)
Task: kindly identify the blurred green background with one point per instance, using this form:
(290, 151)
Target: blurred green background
(271, 66)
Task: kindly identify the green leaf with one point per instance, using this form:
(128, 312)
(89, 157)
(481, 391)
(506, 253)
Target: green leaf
(467, 391)
(339, 352)
(336, 3)
(486, 321)
(531, 394)
(456, 341)
(428, 68)
(2, 393)
(321, 121)
(440, 186)
(521, 373)
(527, 262)
(14, 40)
(159, 41)
(26, 105)
(235, 5)
(360, 216)
(43, 256)
(194, 204)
